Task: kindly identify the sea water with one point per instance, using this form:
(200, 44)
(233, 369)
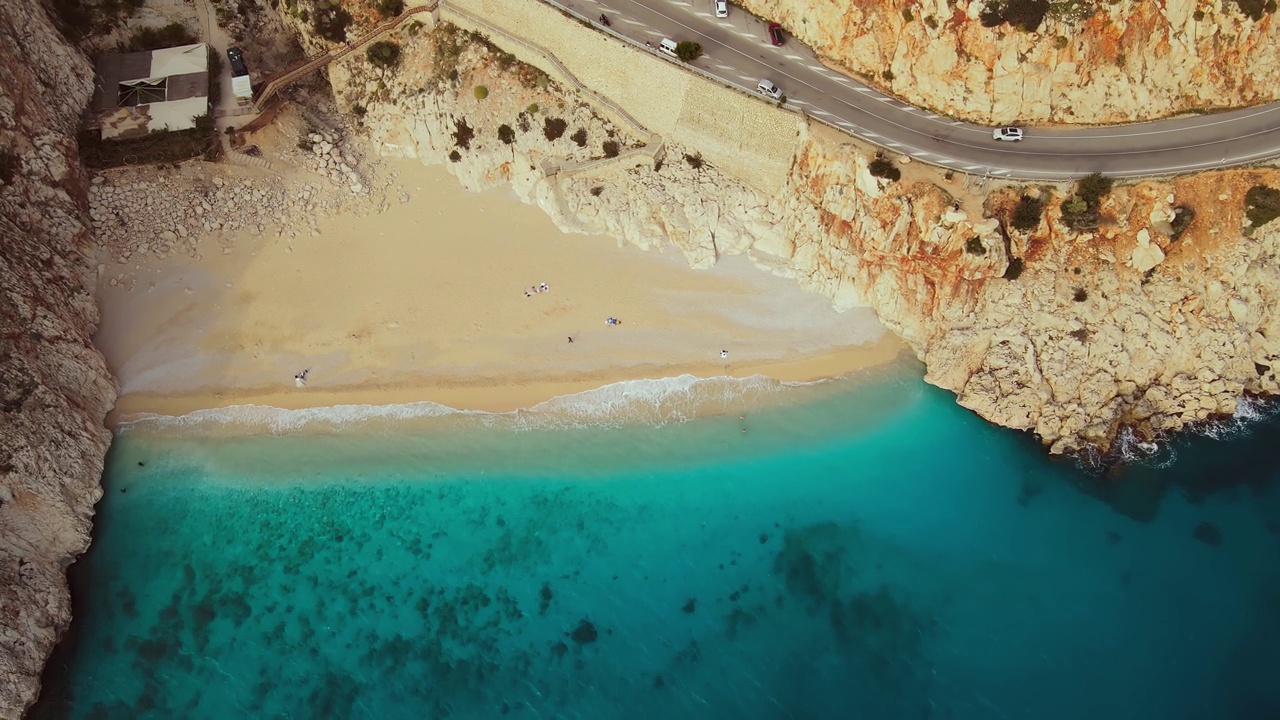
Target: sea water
(859, 549)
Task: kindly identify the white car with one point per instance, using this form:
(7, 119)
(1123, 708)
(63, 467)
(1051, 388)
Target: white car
(1008, 134)
(722, 8)
(768, 89)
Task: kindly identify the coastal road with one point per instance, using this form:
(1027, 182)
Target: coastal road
(738, 53)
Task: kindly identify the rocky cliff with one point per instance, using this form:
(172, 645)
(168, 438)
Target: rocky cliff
(1088, 62)
(1072, 335)
(54, 386)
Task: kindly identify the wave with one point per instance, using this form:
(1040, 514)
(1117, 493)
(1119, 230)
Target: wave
(631, 402)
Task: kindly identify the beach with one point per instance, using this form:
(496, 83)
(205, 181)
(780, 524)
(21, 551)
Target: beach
(436, 298)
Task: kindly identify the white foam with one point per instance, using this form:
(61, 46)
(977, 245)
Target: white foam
(631, 402)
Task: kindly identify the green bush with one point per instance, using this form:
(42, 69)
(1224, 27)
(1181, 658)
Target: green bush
(610, 148)
(153, 38)
(595, 191)
(1080, 295)
(506, 134)
(1261, 205)
(1198, 16)
(1025, 15)
(1027, 214)
(455, 156)
(579, 136)
(331, 23)
(553, 128)
(389, 8)
(532, 109)
(480, 92)
(974, 246)
(688, 50)
(383, 54)
(882, 168)
(1093, 187)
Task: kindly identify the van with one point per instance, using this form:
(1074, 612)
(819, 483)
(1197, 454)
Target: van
(768, 89)
(668, 47)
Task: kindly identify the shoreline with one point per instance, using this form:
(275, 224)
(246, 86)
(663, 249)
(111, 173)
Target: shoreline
(487, 395)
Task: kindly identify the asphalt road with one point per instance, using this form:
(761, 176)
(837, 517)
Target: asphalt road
(738, 52)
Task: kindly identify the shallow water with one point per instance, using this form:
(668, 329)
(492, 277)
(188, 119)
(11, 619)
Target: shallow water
(871, 552)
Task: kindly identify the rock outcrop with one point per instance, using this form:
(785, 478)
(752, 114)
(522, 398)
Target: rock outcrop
(1089, 62)
(1067, 334)
(54, 386)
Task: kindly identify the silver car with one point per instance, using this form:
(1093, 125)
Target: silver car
(768, 89)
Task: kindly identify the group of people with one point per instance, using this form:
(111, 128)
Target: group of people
(612, 321)
(539, 288)
(300, 379)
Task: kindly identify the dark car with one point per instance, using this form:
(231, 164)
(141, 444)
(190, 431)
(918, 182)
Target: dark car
(775, 34)
(236, 56)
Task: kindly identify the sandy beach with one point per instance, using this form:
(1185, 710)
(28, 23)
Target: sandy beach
(434, 299)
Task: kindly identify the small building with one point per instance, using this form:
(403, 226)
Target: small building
(138, 93)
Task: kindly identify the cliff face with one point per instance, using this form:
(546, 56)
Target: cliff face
(54, 386)
(1123, 327)
(1115, 62)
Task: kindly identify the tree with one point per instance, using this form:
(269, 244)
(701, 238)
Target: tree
(389, 8)
(688, 51)
(1026, 216)
(384, 54)
(331, 23)
(1093, 187)
(882, 168)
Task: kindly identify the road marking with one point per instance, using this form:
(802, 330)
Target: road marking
(701, 14)
(799, 102)
(635, 22)
(793, 57)
(720, 66)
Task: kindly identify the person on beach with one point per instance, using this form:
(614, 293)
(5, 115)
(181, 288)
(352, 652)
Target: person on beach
(300, 379)
(570, 338)
(724, 354)
(544, 288)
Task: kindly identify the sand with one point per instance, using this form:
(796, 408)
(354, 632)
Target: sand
(427, 301)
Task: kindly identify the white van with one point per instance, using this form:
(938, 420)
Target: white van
(668, 46)
(768, 89)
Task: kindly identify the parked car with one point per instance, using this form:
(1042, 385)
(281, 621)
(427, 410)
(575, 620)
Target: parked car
(722, 8)
(1008, 134)
(668, 47)
(236, 56)
(769, 90)
(775, 34)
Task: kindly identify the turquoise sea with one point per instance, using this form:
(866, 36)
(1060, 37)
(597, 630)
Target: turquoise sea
(866, 549)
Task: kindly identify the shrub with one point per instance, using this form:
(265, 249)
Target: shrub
(1261, 205)
(9, 165)
(480, 92)
(595, 191)
(1078, 214)
(553, 128)
(384, 54)
(1081, 335)
(657, 164)
(887, 75)
(1025, 15)
(931, 22)
(907, 15)
(331, 23)
(1182, 217)
(974, 246)
(1026, 215)
(389, 8)
(610, 148)
(1093, 187)
(1080, 295)
(882, 168)
(532, 109)
(1014, 270)
(152, 38)
(506, 134)
(1198, 15)
(1061, 42)
(1255, 9)
(454, 156)
(75, 17)
(522, 121)
(359, 110)
(462, 134)
(688, 50)
(695, 161)
(579, 136)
